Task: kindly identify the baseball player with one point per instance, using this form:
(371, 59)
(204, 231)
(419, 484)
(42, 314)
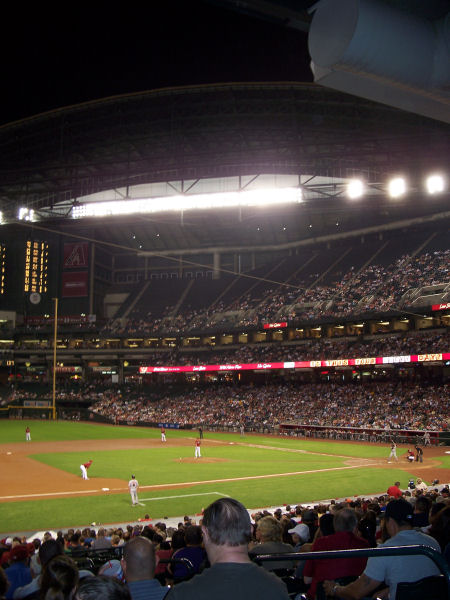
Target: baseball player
(197, 448)
(133, 486)
(27, 434)
(393, 453)
(84, 467)
(163, 434)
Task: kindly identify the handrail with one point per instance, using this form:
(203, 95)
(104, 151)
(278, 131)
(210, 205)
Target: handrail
(414, 550)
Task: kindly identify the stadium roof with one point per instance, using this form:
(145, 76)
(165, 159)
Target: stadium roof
(181, 136)
(209, 131)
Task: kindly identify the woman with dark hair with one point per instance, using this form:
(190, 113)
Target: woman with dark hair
(3, 584)
(104, 587)
(59, 579)
(440, 530)
(367, 528)
(193, 551)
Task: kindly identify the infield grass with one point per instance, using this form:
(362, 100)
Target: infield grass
(255, 473)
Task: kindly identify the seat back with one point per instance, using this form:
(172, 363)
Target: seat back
(431, 588)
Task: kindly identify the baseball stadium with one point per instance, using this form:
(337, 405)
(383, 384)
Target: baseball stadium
(233, 290)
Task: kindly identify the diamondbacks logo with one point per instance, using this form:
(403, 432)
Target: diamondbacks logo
(75, 255)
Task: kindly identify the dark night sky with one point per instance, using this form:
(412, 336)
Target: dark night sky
(56, 59)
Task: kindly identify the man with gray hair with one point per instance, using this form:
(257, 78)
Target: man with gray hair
(138, 564)
(345, 524)
(227, 531)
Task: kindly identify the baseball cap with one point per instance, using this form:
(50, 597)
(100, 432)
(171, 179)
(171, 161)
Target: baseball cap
(19, 552)
(399, 510)
(302, 531)
(112, 568)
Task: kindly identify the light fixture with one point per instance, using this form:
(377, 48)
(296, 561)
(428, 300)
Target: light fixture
(25, 214)
(270, 196)
(355, 189)
(397, 187)
(435, 184)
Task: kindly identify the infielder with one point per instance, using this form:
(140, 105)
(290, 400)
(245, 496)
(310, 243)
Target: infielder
(197, 448)
(84, 467)
(163, 434)
(133, 486)
(27, 435)
(393, 453)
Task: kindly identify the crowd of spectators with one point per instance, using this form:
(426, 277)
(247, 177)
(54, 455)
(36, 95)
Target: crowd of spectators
(374, 288)
(376, 405)
(148, 560)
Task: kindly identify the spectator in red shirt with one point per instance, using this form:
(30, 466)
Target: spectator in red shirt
(395, 491)
(345, 525)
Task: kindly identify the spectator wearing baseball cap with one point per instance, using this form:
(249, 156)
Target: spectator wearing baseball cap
(300, 535)
(18, 573)
(112, 568)
(392, 569)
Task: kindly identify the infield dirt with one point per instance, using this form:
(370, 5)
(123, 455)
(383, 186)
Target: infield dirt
(22, 477)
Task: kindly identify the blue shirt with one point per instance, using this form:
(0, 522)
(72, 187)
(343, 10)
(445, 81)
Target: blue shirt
(147, 589)
(18, 575)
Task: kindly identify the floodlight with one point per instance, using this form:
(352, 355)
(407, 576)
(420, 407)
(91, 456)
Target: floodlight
(189, 201)
(25, 214)
(355, 188)
(397, 187)
(435, 184)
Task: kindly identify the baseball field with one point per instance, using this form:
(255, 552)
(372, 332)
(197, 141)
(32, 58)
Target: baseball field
(41, 484)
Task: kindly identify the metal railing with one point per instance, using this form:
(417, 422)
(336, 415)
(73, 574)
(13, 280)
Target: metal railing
(414, 550)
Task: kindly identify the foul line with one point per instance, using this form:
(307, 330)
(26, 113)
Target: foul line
(184, 496)
(189, 483)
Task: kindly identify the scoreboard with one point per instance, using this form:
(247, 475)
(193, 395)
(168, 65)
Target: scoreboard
(36, 267)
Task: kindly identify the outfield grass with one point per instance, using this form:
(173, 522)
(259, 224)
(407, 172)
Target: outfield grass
(161, 465)
(59, 431)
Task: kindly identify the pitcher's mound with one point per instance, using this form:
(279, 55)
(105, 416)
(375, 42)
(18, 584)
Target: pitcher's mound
(201, 460)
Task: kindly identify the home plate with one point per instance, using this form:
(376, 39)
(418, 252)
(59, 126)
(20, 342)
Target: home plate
(105, 489)
(11, 453)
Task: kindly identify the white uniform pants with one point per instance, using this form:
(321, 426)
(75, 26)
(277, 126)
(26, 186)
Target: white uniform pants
(197, 452)
(83, 472)
(134, 498)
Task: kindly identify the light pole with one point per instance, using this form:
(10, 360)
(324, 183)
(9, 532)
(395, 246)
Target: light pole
(55, 331)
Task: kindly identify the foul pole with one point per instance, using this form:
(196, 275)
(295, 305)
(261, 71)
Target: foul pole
(55, 332)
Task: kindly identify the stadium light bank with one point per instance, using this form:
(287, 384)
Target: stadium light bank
(179, 203)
